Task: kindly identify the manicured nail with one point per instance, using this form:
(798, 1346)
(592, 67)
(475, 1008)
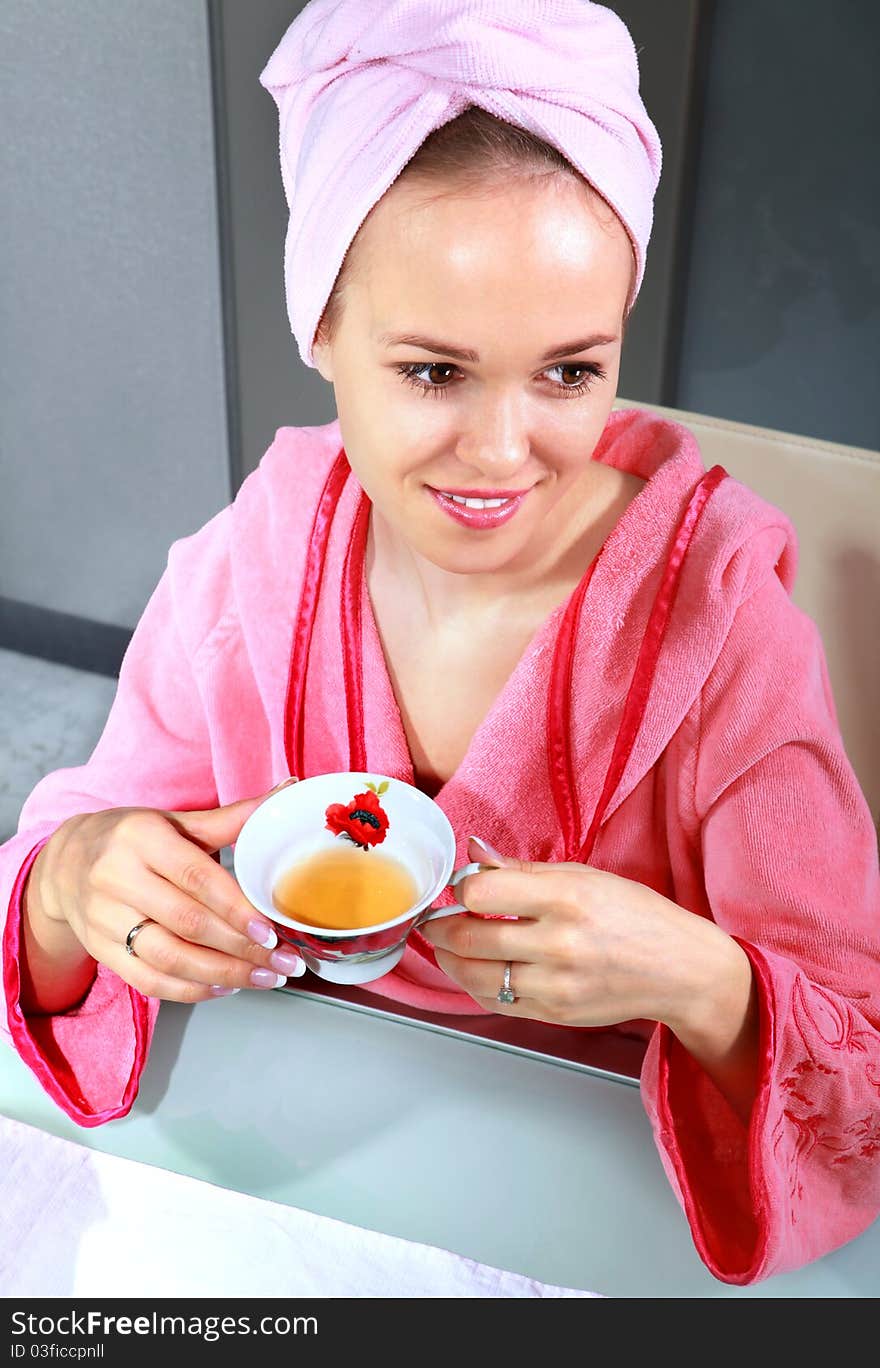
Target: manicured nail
(284, 783)
(492, 853)
(262, 933)
(217, 991)
(264, 978)
(287, 962)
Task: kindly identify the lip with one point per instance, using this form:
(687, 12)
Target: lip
(480, 493)
(478, 517)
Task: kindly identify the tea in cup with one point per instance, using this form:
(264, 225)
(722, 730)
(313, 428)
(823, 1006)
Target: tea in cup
(346, 865)
(336, 888)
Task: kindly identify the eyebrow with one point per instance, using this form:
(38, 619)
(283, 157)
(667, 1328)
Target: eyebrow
(431, 344)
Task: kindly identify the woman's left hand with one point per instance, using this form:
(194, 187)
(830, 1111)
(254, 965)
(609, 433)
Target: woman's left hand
(588, 948)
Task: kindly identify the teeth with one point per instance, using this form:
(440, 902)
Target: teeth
(474, 503)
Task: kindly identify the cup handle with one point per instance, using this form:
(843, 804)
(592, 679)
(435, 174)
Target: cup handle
(433, 913)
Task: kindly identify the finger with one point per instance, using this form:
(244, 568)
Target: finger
(486, 854)
(163, 961)
(514, 892)
(478, 938)
(146, 979)
(483, 980)
(213, 828)
(195, 873)
(479, 851)
(192, 921)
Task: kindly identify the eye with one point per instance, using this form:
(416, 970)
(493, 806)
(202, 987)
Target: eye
(591, 372)
(409, 373)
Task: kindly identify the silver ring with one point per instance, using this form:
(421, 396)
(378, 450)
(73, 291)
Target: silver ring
(506, 993)
(132, 935)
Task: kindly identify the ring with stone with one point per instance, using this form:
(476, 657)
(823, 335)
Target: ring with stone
(506, 993)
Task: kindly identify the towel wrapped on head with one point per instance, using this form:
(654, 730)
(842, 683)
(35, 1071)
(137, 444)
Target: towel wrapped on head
(360, 84)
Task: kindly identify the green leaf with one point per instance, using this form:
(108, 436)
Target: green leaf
(383, 788)
(370, 786)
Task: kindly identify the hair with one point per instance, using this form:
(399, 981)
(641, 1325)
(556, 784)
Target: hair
(470, 154)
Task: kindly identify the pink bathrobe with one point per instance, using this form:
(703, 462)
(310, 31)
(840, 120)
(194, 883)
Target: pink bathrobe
(737, 801)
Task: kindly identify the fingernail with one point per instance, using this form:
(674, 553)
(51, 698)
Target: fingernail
(284, 783)
(262, 933)
(287, 962)
(490, 850)
(217, 991)
(264, 978)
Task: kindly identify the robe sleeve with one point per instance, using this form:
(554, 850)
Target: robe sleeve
(154, 751)
(790, 867)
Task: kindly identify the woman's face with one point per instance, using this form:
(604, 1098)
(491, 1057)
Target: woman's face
(507, 278)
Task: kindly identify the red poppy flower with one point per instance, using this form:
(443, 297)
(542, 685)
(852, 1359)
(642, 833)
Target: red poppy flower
(362, 820)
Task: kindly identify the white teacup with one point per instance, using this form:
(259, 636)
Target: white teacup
(292, 825)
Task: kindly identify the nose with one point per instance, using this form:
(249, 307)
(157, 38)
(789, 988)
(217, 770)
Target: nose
(495, 440)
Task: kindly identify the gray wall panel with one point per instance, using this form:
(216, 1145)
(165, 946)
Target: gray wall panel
(670, 40)
(782, 320)
(269, 387)
(112, 405)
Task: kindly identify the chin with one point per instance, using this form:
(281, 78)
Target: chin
(468, 560)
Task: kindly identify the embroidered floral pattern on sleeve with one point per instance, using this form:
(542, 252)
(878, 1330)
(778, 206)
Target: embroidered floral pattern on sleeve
(810, 1086)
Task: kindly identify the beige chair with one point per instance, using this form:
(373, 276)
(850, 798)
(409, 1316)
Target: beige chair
(831, 493)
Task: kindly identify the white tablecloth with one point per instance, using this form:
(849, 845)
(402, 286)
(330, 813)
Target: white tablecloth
(77, 1222)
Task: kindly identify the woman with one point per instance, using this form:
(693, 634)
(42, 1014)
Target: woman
(547, 615)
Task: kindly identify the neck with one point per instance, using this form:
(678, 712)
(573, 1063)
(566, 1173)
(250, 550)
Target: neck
(539, 578)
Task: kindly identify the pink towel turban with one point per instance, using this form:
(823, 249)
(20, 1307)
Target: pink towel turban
(360, 84)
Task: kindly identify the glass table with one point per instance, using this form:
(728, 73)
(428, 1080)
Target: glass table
(525, 1151)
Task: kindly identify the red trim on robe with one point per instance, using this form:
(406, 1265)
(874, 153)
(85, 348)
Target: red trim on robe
(307, 612)
(649, 654)
(58, 1080)
(722, 1227)
(352, 649)
(559, 749)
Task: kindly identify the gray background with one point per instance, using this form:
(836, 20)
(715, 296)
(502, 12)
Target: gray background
(113, 436)
(147, 359)
(782, 311)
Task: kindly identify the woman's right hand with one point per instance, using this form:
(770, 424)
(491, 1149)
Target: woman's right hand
(101, 873)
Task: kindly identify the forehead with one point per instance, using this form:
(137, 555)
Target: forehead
(513, 246)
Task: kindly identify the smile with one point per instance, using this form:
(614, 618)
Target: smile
(475, 503)
(471, 511)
